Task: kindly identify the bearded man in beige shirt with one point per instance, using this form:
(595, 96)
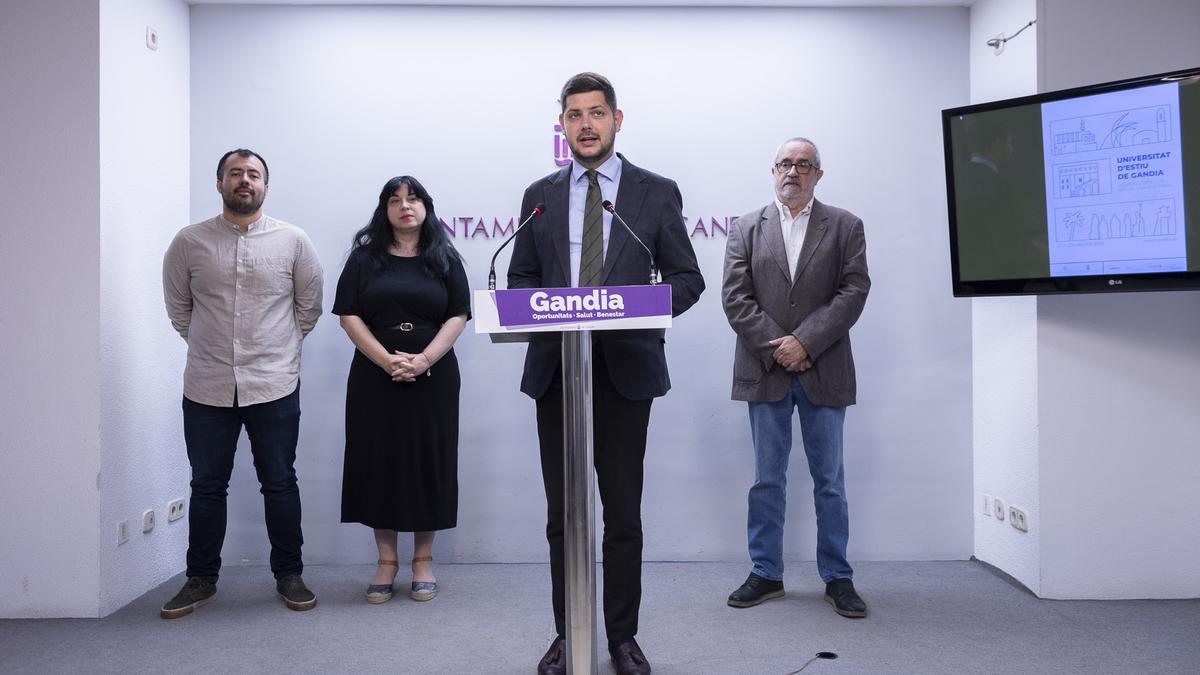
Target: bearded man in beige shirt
(242, 289)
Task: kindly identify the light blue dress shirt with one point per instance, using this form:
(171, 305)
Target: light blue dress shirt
(608, 175)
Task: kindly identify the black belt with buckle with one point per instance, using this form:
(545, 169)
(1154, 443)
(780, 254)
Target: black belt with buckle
(408, 327)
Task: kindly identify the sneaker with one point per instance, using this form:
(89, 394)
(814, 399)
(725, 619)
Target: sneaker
(755, 590)
(293, 591)
(196, 592)
(841, 594)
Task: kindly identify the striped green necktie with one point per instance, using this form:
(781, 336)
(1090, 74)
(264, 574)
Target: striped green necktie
(591, 259)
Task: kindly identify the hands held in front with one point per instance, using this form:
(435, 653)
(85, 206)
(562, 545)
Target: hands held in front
(405, 367)
(790, 354)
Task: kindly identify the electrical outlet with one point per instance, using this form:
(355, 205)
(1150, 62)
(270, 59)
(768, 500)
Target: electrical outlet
(174, 510)
(987, 505)
(151, 39)
(1018, 519)
(147, 520)
(998, 508)
(122, 532)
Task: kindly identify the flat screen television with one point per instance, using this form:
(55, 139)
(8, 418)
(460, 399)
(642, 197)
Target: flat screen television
(1087, 190)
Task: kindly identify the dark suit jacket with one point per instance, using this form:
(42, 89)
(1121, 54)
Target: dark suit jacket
(652, 206)
(818, 306)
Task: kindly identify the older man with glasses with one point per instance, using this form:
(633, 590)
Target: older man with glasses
(795, 281)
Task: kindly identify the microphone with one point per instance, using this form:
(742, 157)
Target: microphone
(537, 211)
(608, 206)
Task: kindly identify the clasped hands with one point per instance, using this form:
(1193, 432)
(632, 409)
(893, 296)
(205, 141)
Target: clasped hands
(405, 367)
(790, 354)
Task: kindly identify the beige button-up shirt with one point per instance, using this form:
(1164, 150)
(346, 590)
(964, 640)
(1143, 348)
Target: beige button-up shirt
(243, 302)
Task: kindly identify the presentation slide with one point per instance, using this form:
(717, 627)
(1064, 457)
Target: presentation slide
(1114, 183)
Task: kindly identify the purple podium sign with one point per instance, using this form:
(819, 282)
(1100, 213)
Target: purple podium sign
(623, 305)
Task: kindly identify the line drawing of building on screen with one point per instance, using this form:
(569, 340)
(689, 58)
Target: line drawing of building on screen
(1117, 129)
(1082, 179)
(1147, 218)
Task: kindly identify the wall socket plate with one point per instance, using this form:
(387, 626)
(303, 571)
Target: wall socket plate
(998, 508)
(1018, 519)
(987, 505)
(147, 520)
(151, 39)
(122, 532)
(174, 510)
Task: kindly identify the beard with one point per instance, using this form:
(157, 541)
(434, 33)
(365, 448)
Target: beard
(793, 191)
(602, 149)
(242, 206)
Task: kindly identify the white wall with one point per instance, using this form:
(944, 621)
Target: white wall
(144, 117)
(1004, 331)
(340, 99)
(1117, 373)
(49, 277)
(1084, 405)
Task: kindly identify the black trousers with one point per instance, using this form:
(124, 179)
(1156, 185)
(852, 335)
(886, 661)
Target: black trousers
(211, 434)
(619, 441)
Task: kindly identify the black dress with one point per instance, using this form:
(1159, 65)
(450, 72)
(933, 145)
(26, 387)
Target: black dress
(401, 464)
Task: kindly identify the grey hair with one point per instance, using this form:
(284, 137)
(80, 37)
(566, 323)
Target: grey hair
(801, 139)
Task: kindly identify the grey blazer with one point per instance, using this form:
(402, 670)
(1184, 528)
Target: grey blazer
(818, 306)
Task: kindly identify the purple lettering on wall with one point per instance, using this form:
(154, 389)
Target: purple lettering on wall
(562, 151)
(717, 226)
(498, 227)
(501, 231)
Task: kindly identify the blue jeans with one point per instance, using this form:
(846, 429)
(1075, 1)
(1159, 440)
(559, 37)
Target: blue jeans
(211, 434)
(821, 429)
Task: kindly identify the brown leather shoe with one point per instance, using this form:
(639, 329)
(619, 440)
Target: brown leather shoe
(555, 660)
(628, 659)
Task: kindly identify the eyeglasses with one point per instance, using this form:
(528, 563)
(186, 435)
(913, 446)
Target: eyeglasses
(802, 167)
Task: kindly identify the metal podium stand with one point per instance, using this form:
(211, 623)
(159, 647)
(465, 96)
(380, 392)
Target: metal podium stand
(579, 526)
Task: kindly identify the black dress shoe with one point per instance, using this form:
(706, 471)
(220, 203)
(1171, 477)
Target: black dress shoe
(628, 659)
(555, 660)
(840, 593)
(755, 590)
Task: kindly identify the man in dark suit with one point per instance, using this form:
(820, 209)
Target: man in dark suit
(577, 243)
(795, 281)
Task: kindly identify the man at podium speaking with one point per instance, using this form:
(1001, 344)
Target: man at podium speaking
(578, 243)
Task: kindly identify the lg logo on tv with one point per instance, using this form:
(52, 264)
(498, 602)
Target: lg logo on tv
(1115, 282)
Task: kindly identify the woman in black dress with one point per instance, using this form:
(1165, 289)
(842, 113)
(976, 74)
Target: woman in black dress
(403, 300)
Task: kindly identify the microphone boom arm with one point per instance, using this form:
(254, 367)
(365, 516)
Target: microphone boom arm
(608, 206)
(537, 210)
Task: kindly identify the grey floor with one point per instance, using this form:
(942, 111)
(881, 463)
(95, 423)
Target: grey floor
(926, 617)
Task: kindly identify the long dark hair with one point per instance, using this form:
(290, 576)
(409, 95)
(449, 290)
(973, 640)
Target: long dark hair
(434, 247)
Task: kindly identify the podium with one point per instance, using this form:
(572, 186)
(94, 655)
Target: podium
(514, 316)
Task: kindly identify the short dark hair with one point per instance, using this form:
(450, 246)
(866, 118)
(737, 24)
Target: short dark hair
(243, 153)
(585, 82)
